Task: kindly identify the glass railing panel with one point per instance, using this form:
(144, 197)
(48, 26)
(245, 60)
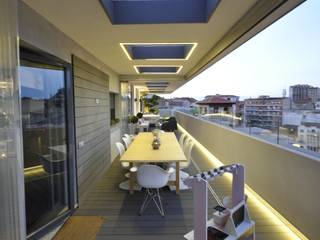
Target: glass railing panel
(304, 139)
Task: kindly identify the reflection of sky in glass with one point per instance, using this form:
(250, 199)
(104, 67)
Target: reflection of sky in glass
(40, 83)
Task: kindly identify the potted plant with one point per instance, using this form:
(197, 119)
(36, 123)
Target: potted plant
(115, 121)
(150, 102)
(133, 120)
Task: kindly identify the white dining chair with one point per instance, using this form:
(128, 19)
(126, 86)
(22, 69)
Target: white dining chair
(125, 184)
(152, 178)
(189, 144)
(126, 141)
(187, 149)
(131, 137)
(121, 150)
(182, 138)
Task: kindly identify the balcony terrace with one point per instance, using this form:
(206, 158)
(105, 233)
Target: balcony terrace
(84, 68)
(120, 209)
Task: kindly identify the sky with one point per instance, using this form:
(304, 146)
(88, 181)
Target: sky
(40, 83)
(284, 54)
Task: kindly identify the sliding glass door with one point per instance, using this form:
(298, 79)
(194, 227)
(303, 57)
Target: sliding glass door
(45, 143)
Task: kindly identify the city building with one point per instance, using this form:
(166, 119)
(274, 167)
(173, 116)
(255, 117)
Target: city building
(69, 68)
(240, 109)
(314, 94)
(218, 104)
(299, 93)
(292, 119)
(265, 112)
(303, 97)
(309, 131)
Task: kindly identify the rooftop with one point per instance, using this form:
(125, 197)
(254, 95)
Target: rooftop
(217, 100)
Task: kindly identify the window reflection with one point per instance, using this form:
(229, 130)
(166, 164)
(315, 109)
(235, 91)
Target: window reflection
(44, 143)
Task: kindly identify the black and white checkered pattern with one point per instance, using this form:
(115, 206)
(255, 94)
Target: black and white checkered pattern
(211, 174)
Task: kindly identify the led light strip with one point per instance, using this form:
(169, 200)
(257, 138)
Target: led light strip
(222, 115)
(273, 214)
(194, 45)
(138, 72)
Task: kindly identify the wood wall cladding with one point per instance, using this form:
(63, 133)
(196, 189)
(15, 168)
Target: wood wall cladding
(92, 120)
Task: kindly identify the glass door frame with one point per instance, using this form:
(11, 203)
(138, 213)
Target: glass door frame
(38, 57)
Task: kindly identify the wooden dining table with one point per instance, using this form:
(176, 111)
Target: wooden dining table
(140, 151)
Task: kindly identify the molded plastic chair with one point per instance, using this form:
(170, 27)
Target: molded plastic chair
(127, 142)
(131, 137)
(125, 185)
(152, 177)
(120, 148)
(121, 151)
(182, 138)
(187, 151)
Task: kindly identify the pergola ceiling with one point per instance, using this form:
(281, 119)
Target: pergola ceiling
(87, 23)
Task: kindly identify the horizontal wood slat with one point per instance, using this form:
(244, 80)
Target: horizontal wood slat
(92, 121)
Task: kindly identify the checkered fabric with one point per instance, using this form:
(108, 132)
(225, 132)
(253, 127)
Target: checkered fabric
(211, 174)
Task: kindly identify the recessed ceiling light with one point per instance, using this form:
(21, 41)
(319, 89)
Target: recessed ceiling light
(157, 69)
(158, 51)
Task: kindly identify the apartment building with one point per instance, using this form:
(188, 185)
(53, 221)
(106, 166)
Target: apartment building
(265, 111)
(218, 104)
(309, 131)
(303, 96)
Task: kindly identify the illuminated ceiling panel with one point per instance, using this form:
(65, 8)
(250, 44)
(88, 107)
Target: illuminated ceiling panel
(158, 51)
(153, 69)
(159, 11)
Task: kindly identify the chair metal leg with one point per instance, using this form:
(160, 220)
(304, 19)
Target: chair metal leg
(160, 203)
(155, 197)
(144, 203)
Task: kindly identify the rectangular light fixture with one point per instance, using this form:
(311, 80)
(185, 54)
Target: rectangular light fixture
(159, 11)
(157, 83)
(158, 51)
(157, 69)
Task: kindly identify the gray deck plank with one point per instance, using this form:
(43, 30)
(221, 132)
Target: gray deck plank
(122, 221)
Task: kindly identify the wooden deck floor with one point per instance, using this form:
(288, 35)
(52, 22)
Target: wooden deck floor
(122, 221)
